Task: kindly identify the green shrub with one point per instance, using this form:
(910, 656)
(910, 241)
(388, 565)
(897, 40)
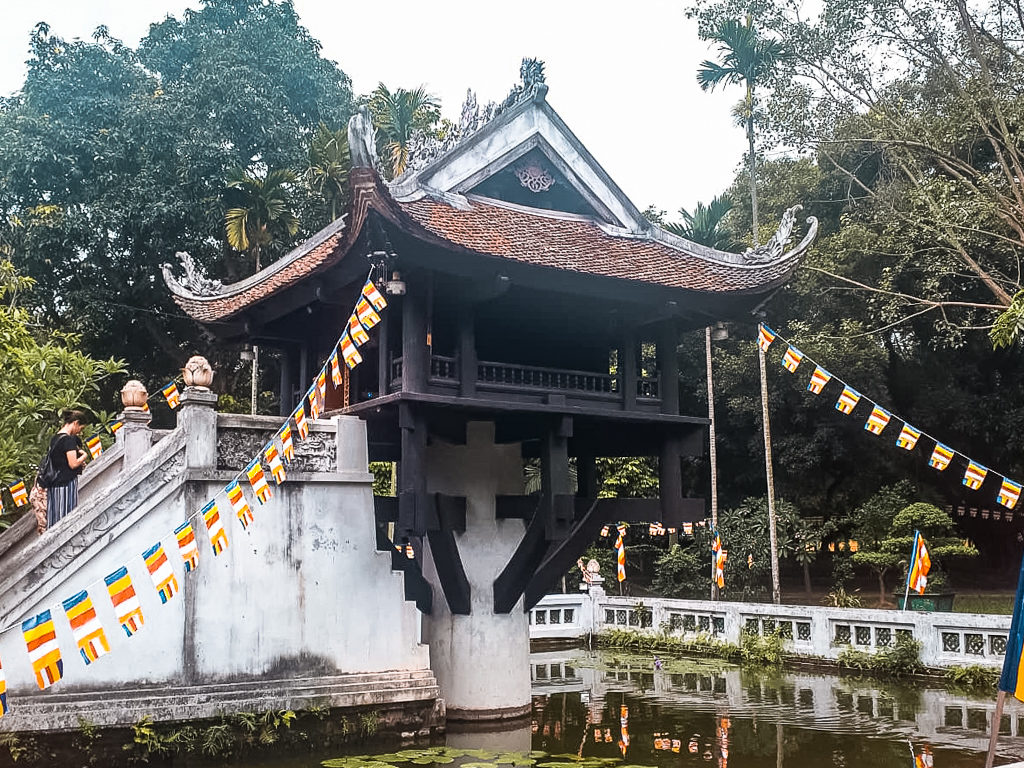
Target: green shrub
(899, 660)
(973, 679)
(701, 645)
(762, 650)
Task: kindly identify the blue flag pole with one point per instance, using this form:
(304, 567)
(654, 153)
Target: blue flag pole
(910, 567)
(1010, 680)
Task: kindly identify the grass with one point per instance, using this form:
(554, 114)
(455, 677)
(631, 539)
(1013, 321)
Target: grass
(997, 604)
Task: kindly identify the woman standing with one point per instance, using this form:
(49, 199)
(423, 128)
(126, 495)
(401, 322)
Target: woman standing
(68, 459)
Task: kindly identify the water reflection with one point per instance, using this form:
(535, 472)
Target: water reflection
(710, 713)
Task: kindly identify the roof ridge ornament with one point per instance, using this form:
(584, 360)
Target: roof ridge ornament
(362, 139)
(195, 279)
(775, 248)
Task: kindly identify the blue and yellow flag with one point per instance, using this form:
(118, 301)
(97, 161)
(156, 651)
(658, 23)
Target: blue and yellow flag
(1012, 679)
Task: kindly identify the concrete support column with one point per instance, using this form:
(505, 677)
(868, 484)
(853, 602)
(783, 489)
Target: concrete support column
(350, 448)
(197, 415)
(135, 434)
(481, 660)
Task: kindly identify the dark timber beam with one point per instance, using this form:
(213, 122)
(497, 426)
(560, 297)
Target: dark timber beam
(668, 366)
(563, 555)
(555, 482)
(412, 475)
(512, 580)
(383, 356)
(450, 517)
(670, 478)
(627, 369)
(467, 351)
(415, 354)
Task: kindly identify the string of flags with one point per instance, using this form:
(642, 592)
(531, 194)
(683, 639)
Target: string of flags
(879, 419)
(89, 635)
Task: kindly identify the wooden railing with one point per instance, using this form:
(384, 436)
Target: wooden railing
(647, 386)
(444, 368)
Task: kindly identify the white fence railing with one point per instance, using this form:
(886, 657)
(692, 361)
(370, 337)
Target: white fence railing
(947, 639)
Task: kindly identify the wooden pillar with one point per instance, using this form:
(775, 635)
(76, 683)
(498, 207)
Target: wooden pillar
(670, 479)
(627, 369)
(287, 391)
(304, 381)
(467, 351)
(586, 476)
(668, 367)
(412, 475)
(555, 482)
(415, 353)
(383, 357)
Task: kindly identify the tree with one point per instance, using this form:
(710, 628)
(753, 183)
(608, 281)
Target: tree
(329, 166)
(705, 224)
(397, 116)
(261, 218)
(44, 373)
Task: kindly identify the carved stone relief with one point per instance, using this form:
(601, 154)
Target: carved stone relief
(237, 447)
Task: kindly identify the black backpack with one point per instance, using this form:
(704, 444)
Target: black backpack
(47, 477)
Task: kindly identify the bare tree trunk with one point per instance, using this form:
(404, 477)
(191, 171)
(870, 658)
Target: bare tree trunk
(807, 578)
(255, 377)
(712, 453)
(772, 535)
(881, 588)
(752, 162)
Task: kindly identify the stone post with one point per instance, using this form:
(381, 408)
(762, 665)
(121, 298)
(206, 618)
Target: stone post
(197, 416)
(350, 445)
(135, 435)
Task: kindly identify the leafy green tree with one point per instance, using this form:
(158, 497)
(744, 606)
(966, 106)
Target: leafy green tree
(705, 224)
(260, 218)
(682, 572)
(329, 166)
(44, 373)
(398, 115)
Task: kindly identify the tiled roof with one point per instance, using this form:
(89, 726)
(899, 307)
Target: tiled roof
(580, 245)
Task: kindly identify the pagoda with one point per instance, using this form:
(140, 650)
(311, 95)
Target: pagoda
(533, 319)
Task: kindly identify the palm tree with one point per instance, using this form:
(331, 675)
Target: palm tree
(397, 116)
(329, 165)
(704, 225)
(748, 59)
(262, 214)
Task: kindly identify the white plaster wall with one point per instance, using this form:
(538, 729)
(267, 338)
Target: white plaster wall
(481, 661)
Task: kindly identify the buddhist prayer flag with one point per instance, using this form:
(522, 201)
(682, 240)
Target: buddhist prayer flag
(908, 437)
(300, 422)
(126, 602)
(349, 351)
(274, 460)
(941, 457)
(848, 400)
(366, 314)
(287, 447)
(314, 403)
(160, 571)
(819, 379)
(356, 331)
(765, 337)
(43, 650)
(321, 386)
(920, 564)
(1009, 492)
(3, 693)
(791, 360)
(171, 393)
(258, 482)
(620, 553)
(373, 295)
(214, 527)
(145, 407)
(1012, 679)
(115, 426)
(719, 557)
(335, 368)
(95, 446)
(187, 546)
(19, 493)
(239, 505)
(975, 475)
(877, 420)
(85, 626)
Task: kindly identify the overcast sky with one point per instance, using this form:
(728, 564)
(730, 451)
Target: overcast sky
(621, 74)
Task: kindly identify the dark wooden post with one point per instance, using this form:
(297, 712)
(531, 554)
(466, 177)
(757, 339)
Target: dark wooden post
(415, 354)
(586, 476)
(287, 392)
(412, 474)
(555, 485)
(627, 369)
(383, 363)
(668, 367)
(670, 479)
(304, 381)
(467, 351)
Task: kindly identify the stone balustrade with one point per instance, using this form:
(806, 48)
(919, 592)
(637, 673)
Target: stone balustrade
(947, 639)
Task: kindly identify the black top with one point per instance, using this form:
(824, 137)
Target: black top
(59, 447)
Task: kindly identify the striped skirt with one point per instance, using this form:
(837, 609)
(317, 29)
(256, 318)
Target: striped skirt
(60, 500)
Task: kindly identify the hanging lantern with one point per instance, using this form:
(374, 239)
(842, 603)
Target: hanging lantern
(974, 511)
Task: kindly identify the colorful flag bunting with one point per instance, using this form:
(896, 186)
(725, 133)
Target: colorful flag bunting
(941, 457)
(115, 426)
(356, 332)
(620, 553)
(214, 527)
(95, 446)
(878, 419)
(43, 650)
(920, 564)
(274, 460)
(366, 314)
(1, 505)
(335, 368)
(160, 571)
(1009, 492)
(187, 546)
(975, 475)
(321, 387)
(908, 437)
(284, 434)
(720, 556)
(370, 292)
(19, 493)
(258, 482)
(791, 360)
(848, 400)
(86, 628)
(765, 337)
(3, 693)
(1012, 678)
(239, 505)
(819, 379)
(314, 403)
(300, 422)
(145, 407)
(349, 352)
(126, 602)
(604, 530)
(171, 393)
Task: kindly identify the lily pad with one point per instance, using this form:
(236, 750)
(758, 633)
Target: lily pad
(479, 765)
(425, 760)
(555, 764)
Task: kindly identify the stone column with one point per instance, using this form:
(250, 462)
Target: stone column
(197, 416)
(135, 435)
(481, 660)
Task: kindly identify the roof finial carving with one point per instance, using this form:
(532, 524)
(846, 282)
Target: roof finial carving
(774, 249)
(195, 279)
(362, 139)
